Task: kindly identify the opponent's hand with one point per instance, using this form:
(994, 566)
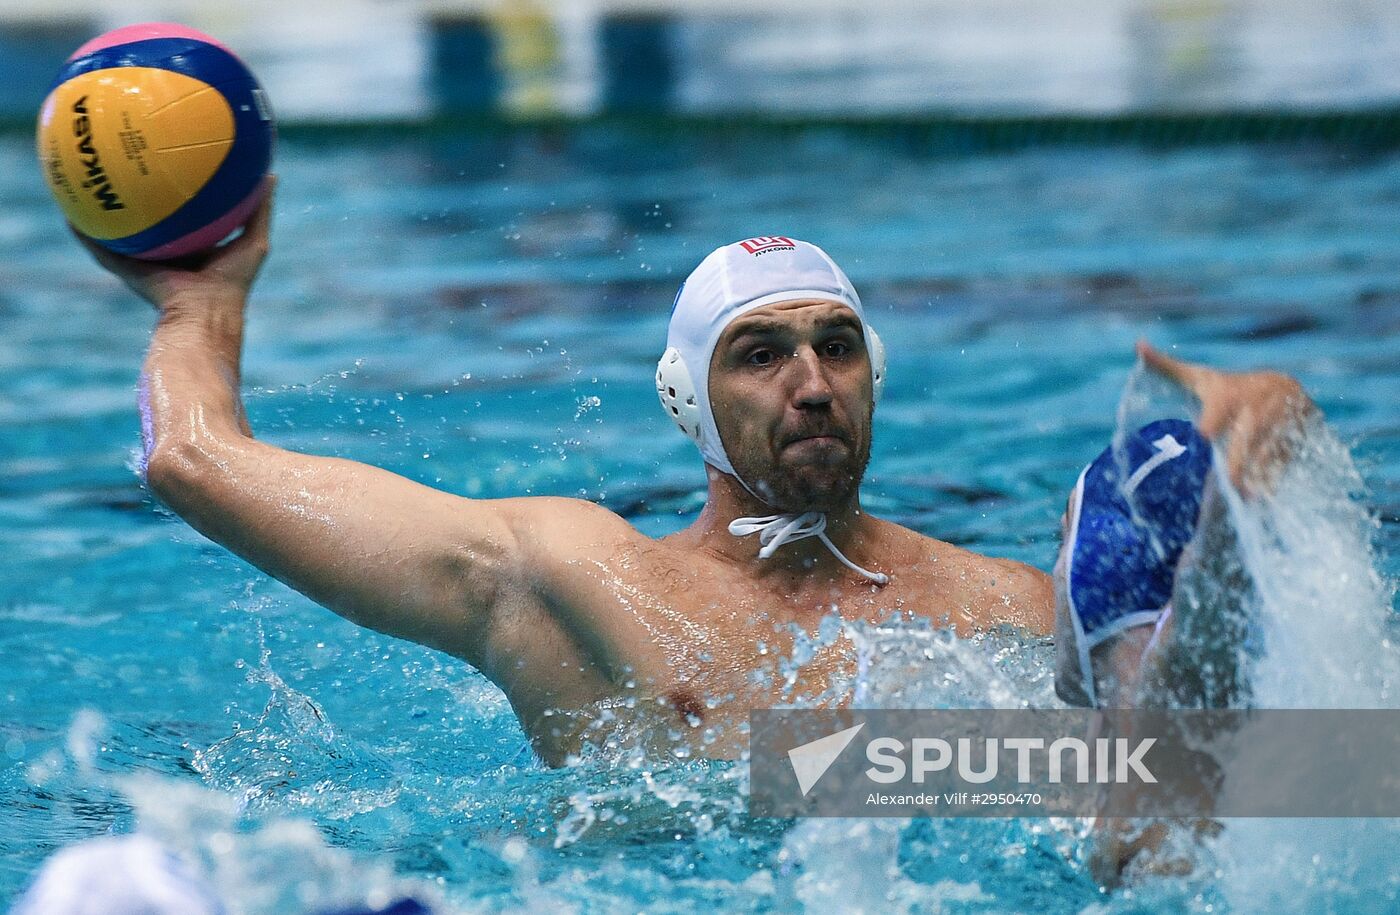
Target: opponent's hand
(1259, 414)
(224, 274)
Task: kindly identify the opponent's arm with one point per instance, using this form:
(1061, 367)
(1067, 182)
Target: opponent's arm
(1194, 661)
(1258, 415)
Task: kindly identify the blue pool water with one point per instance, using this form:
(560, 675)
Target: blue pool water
(482, 312)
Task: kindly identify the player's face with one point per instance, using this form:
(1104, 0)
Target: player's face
(791, 393)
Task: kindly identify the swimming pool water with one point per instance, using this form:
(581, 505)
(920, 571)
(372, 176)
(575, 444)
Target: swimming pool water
(482, 312)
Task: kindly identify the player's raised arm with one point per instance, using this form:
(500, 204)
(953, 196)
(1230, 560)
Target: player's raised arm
(377, 548)
(1258, 415)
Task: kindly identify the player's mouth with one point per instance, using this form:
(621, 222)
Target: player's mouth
(815, 442)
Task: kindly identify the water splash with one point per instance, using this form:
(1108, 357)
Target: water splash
(1324, 609)
(261, 866)
(254, 863)
(1319, 633)
(294, 757)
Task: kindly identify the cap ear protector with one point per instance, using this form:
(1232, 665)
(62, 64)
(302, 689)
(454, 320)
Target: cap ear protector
(676, 388)
(876, 346)
(677, 392)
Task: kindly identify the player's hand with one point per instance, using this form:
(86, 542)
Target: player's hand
(1258, 415)
(224, 274)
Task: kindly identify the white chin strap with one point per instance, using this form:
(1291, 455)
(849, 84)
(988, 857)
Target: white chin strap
(775, 530)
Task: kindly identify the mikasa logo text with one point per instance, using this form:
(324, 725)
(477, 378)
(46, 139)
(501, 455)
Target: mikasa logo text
(97, 180)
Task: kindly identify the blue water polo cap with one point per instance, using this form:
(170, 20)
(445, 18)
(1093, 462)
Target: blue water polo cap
(1131, 514)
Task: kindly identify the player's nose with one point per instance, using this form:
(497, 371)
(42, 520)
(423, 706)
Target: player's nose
(811, 386)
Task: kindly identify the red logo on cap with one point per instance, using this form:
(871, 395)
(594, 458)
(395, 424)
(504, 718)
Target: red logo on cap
(765, 243)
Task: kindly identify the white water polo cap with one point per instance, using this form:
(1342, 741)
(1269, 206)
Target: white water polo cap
(732, 281)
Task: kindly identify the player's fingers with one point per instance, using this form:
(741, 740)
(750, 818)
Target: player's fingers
(100, 254)
(260, 226)
(1192, 377)
(129, 270)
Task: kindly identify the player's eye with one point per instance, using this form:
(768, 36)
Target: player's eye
(762, 357)
(836, 349)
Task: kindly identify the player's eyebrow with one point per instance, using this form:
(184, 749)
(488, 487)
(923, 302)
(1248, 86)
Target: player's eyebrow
(763, 326)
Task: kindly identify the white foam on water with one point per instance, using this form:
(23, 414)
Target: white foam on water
(252, 864)
(1324, 614)
(262, 867)
(1327, 632)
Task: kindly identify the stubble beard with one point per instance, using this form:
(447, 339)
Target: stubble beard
(806, 485)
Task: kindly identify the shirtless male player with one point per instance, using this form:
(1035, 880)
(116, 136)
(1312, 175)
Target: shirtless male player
(558, 601)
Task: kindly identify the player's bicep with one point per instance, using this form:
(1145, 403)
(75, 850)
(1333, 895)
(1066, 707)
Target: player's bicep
(375, 547)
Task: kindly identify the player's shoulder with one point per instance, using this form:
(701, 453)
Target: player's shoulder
(563, 525)
(1001, 575)
(993, 588)
(1013, 592)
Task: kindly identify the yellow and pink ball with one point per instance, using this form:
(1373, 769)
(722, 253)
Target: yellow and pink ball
(155, 140)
